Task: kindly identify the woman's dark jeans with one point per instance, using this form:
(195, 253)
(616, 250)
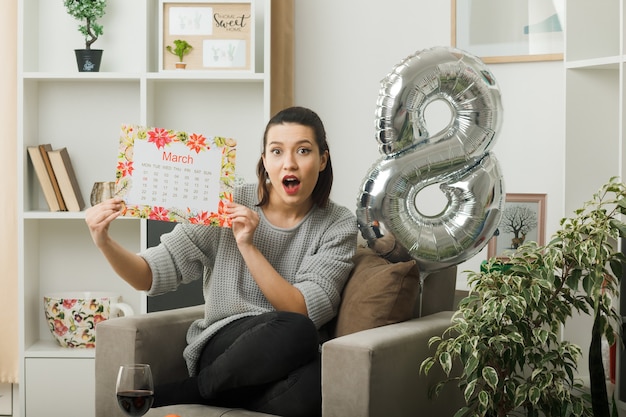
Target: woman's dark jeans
(268, 363)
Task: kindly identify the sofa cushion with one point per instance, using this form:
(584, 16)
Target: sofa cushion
(377, 293)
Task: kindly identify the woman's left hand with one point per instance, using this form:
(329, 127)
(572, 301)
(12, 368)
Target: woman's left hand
(244, 222)
(278, 291)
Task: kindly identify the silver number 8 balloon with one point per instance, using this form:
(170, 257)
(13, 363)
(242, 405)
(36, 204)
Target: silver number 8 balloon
(458, 158)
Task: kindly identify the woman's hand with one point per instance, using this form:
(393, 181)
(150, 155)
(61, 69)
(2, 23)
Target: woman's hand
(278, 291)
(128, 265)
(100, 216)
(244, 223)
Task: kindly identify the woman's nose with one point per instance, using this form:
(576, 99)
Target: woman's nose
(290, 161)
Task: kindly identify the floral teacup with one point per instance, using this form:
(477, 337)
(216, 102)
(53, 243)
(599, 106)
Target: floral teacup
(72, 316)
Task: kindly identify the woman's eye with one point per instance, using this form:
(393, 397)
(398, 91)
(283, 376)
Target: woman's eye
(275, 151)
(304, 151)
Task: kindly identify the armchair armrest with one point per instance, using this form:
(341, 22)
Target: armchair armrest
(375, 372)
(155, 338)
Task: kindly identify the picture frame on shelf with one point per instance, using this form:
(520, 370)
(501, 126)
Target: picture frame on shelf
(221, 34)
(523, 220)
(500, 32)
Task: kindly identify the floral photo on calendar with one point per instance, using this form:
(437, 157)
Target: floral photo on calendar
(175, 176)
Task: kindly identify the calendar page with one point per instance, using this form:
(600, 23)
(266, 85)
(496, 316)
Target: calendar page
(175, 176)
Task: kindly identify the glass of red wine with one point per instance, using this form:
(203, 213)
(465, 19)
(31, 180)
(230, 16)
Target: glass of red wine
(135, 389)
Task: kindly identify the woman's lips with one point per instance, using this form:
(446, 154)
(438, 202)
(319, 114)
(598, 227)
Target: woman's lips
(291, 184)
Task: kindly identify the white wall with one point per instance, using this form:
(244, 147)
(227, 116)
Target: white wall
(344, 49)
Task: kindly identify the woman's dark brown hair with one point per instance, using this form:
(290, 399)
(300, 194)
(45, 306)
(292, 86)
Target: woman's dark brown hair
(304, 117)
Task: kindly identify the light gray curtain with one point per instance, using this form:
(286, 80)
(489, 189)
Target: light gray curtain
(8, 197)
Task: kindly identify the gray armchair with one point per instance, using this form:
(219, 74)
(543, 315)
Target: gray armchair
(370, 373)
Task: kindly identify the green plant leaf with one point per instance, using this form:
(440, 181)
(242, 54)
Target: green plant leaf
(426, 365)
(534, 394)
(491, 377)
(437, 389)
(469, 390)
(433, 340)
(536, 294)
(535, 373)
(446, 362)
(520, 396)
(542, 336)
(483, 398)
(618, 225)
(471, 365)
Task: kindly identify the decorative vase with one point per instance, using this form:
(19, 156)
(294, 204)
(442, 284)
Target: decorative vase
(88, 60)
(72, 317)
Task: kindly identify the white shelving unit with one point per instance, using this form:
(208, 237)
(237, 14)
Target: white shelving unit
(594, 64)
(84, 112)
(595, 56)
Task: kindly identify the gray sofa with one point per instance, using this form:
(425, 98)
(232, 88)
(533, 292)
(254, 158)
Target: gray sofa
(369, 373)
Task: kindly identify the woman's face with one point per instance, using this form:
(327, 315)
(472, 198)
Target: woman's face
(293, 162)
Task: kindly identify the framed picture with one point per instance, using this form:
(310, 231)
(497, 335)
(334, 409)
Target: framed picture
(509, 31)
(221, 34)
(523, 220)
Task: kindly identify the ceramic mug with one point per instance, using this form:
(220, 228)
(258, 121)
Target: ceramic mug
(102, 191)
(73, 316)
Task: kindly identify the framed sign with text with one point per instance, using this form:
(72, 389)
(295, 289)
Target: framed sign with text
(221, 34)
(175, 176)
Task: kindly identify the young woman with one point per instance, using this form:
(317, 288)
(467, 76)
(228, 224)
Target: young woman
(270, 282)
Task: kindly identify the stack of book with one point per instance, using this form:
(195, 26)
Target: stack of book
(57, 178)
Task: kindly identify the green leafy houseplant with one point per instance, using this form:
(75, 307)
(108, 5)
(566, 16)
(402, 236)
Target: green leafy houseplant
(180, 49)
(87, 12)
(503, 346)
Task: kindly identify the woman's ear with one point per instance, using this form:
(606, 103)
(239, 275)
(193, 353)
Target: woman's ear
(267, 175)
(323, 161)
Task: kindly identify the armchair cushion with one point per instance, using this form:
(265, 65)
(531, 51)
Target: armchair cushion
(376, 372)
(377, 293)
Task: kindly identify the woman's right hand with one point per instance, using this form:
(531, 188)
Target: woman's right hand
(128, 265)
(100, 216)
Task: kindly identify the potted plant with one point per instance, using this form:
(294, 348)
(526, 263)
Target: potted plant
(503, 346)
(180, 49)
(87, 12)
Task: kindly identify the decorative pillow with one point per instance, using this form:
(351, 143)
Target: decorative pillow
(377, 293)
